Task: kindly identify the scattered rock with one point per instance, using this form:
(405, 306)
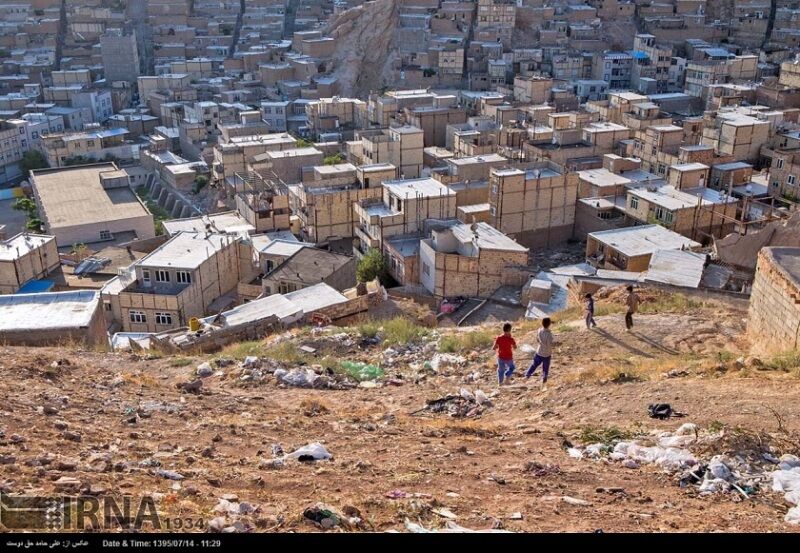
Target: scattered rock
(192, 387)
(71, 436)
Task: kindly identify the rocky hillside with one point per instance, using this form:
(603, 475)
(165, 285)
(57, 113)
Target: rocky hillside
(285, 435)
(365, 46)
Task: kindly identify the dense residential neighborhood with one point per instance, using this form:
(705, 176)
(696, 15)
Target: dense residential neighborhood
(183, 175)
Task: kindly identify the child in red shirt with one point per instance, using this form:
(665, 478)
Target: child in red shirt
(505, 346)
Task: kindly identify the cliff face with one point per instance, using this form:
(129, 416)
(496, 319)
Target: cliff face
(366, 46)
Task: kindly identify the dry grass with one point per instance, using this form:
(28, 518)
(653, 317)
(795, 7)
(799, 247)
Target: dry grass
(401, 330)
(314, 406)
(179, 362)
(466, 341)
(608, 435)
(241, 350)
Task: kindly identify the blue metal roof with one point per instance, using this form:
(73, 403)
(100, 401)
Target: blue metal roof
(639, 55)
(36, 287)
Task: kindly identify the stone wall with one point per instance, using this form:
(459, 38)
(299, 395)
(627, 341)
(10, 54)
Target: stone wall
(773, 323)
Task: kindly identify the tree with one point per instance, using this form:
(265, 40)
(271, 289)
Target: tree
(199, 183)
(25, 204)
(334, 159)
(372, 266)
(33, 159)
(34, 225)
(81, 251)
(303, 143)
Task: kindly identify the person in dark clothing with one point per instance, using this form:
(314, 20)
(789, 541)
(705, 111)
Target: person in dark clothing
(632, 305)
(588, 305)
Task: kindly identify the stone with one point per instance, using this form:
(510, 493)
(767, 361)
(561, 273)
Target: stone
(67, 483)
(7, 459)
(49, 410)
(192, 387)
(61, 425)
(71, 436)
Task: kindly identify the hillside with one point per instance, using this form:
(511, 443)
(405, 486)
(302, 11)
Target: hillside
(129, 424)
(365, 46)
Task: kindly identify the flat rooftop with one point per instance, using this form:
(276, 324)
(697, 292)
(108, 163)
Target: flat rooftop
(671, 198)
(72, 196)
(643, 240)
(21, 245)
(186, 250)
(424, 187)
(788, 260)
(487, 237)
(48, 311)
(472, 160)
(603, 177)
(227, 222)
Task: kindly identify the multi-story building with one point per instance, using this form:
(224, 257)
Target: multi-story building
(534, 206)
(120, 56)
(25, 258)
(61, 148)
(403, 209)
(88, 204)
(179, 280)
(470, 260)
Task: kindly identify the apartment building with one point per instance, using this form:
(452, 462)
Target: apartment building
(324, 202)
(25, 258)
(120, 56)
(62, 149)
(470, 260)
(335, 115)
(534, 206)
(179, 280)
(403, 209)
(14, 142)
(400, 146)
(87, 204)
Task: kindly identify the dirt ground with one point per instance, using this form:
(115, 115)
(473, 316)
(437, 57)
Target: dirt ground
(473, 469)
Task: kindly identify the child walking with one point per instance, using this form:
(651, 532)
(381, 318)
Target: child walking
(543, 352)
(588, 304)
(505, 346)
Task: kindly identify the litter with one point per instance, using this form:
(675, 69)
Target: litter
(362, 371)
(458, 406)
(450, 528)
(575, 501)
(441, 360)
(311, 452)
(445, 513)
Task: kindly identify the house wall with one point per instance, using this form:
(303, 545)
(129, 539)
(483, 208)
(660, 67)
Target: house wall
(534, 212)
(33, 265)
(773, 322)
(86, 234)
(92, 335)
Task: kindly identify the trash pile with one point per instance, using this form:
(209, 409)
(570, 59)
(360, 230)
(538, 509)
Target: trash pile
(464, 405)
(230, 515)
(326, 517)
(745, 473)
(313, 377)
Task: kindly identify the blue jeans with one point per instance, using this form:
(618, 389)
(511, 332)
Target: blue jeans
(505, 368)
(539, 360)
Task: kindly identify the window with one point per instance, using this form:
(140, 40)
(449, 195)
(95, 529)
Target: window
(162, 276)
(105, 235)
(146, 277)
(780, 163)
(426, 269)
(107, 305)
(184, 277)
(138, 316)
(267, 110)
(791, 180)
(163, 318)
(634, 202)
(90, 142)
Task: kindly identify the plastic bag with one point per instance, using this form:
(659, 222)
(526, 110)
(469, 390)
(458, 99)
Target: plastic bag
(311, 452)
(362, 371)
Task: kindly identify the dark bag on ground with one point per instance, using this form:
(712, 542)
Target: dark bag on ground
(660, 411)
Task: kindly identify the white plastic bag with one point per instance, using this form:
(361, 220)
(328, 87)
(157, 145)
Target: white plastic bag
(315, 450)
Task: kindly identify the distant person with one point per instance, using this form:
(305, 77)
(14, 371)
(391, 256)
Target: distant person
(632, 305)
(505, 345)
(543, 352)
(588, 306)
